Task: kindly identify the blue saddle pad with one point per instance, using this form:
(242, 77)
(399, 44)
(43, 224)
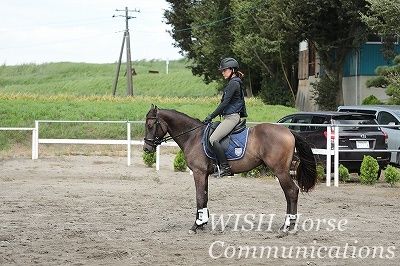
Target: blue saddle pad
(234, 144)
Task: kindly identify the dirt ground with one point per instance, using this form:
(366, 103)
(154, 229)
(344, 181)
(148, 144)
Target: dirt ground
(96, 210)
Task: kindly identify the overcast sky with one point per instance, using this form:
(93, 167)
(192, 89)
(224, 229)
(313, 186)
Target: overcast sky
(38, 31)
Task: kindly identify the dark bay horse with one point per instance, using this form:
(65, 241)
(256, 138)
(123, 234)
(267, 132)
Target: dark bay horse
(269, 144)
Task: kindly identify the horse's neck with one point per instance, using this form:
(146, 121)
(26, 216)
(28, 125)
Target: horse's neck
(179, 123)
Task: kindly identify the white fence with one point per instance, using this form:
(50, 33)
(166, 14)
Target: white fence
(332, 150)
(128, 141)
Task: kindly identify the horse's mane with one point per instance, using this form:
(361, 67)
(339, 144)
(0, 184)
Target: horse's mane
(181, 115)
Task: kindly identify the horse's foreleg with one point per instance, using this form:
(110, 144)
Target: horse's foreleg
(202, 214)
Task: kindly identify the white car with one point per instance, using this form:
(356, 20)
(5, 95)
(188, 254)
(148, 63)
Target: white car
(385, 115)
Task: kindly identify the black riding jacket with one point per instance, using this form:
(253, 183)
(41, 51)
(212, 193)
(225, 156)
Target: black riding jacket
(232, 99)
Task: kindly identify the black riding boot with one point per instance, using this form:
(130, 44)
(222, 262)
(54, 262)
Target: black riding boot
(225, 169)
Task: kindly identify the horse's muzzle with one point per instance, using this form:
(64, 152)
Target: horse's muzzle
(148, 148)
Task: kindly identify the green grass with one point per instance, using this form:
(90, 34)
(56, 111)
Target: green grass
(81, 79)
(71, 91)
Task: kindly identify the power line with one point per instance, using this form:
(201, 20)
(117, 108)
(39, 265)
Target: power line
(221, 20)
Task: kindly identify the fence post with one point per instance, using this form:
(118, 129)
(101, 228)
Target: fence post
(36, 139)
(33, 143)
(336, 156)
(128, 125)
(328, 155)
(158, 158)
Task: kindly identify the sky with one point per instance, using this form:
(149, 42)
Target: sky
(40, 31)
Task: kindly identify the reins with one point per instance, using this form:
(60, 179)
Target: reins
(165, 139)
(157, 141)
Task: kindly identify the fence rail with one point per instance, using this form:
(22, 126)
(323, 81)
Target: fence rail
(332, 148)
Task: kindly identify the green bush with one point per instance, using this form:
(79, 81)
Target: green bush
(180, 162)
(392, 175)
(320, 173)
(325, 92)
(371, 100)
(369, 170)
(344, 175)
(149, 158)
(259, 171)
(274, 91)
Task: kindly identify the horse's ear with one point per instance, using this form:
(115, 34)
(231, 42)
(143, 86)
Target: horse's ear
(152, 106)
(156, 107)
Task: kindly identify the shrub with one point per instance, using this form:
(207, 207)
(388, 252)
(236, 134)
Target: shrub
(325, 92)
(369, 170)
(149, 158)
(371, 100)
(392, 175)
(259, 171)
(274, 91)
(180, 162)
(344, 175)
(320, 173)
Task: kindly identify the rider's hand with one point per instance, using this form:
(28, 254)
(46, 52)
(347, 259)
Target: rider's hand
(207, 120)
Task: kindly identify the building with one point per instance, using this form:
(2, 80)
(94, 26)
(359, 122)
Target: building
(360, 65)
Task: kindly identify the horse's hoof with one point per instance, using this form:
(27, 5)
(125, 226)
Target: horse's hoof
(202, 227)
(282, 233)
(193, 230)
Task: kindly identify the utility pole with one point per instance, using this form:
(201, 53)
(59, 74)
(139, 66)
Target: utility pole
(125, 39)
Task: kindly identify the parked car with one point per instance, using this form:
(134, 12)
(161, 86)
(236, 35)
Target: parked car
(386, 115)
(370, 138)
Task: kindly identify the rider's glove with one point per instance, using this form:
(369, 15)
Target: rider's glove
(207, 120)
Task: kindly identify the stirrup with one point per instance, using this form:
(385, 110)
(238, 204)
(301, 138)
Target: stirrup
(220, 171)
(217, 171)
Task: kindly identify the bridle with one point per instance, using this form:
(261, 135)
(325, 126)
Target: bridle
(154, 142)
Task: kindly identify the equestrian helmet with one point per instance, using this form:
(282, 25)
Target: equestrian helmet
(228, 62)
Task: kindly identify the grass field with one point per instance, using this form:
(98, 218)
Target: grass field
(81, 79)
(68, 91)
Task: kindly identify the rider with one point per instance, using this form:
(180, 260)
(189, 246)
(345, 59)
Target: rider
(232, 108)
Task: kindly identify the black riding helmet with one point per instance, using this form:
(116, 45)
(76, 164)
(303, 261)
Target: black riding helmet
(228, 62)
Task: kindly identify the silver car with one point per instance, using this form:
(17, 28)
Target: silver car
(386, 115)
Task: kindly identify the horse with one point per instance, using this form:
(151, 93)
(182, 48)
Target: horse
(269, 144)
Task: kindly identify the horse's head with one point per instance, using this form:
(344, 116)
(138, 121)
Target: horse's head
(155, 130)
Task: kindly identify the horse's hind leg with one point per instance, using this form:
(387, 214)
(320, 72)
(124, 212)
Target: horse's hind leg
(291, 194)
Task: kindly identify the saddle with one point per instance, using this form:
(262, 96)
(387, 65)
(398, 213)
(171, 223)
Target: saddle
(234, 144)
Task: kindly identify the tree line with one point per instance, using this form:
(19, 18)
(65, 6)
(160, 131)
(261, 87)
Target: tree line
(264, 35)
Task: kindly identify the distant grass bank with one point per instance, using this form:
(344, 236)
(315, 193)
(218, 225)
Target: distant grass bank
(82, 79)
(21, 110)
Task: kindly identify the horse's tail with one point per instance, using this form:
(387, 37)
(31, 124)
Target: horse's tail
(307, 170)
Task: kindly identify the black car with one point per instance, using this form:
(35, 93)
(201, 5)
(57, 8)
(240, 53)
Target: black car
(372, 138)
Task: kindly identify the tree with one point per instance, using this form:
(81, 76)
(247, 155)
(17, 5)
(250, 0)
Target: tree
(333, 27)
(201, 30)
(211, 37)
(389, 78)
(384, 20)
(179, 20)
(241, 29)
(269, 52)
(264, 35)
